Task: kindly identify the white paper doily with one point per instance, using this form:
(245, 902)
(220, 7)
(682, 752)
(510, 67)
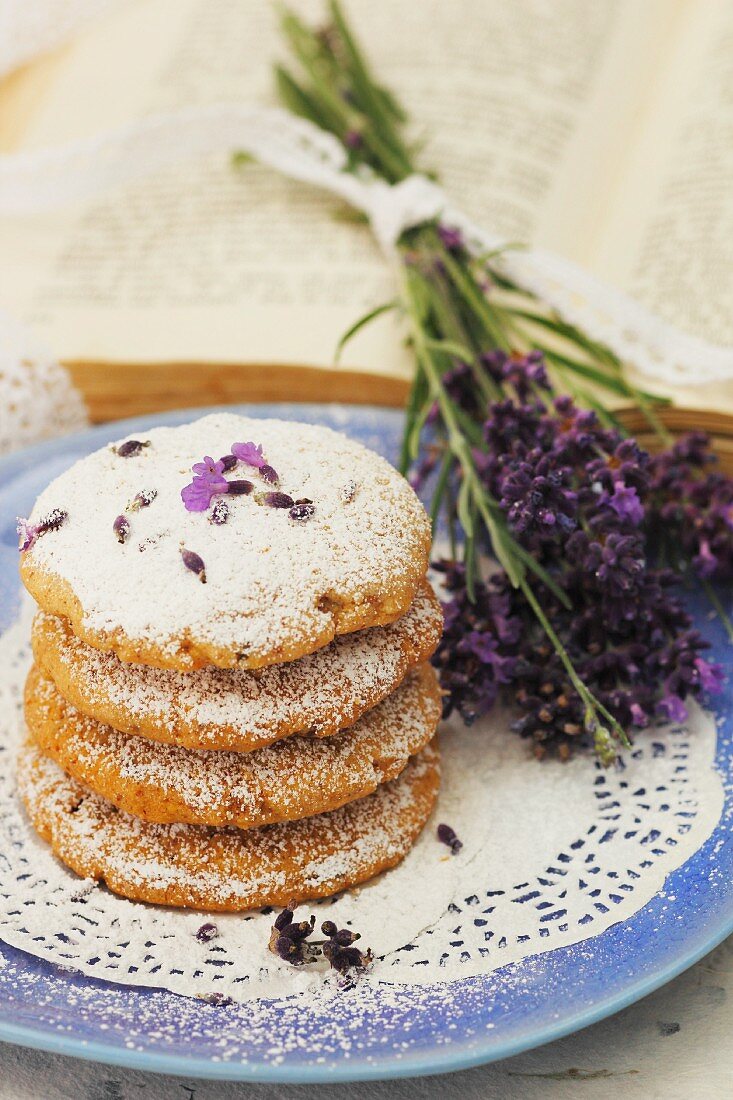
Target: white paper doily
(553, 854)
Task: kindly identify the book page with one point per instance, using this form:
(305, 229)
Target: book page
(669, 235)
(206, 263)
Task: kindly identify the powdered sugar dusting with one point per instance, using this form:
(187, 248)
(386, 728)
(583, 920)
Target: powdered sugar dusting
(236, 708)
(229, 867)
(552, 855)
(275, 588)
(295, 778)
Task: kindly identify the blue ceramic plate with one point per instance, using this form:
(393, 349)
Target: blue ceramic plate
(458, 1025)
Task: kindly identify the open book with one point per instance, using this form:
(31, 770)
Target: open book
(600, 130)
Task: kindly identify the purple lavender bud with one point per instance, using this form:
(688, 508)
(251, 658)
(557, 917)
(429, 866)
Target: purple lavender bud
(207, 932)
(131, 447)
(329, 928)
(193, 562)
(302, 512)
(282, 920)
(348, 492)
(345, 937)
(278, 500)
(219, 1000)
(143, 499)
(240, 488)
(228, 462)
(447, 836)
(352, 139)
(269, 475)
(219, 513)
(121, 528)
(52, 521)
(452, 238)
(286, 948)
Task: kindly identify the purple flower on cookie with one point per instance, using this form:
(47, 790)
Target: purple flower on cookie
(249, 453)
(198, 494)
(208, 483)
(252, 455)
(209, 469)
(27, 533)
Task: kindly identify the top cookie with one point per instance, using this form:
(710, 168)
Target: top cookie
(306, 536)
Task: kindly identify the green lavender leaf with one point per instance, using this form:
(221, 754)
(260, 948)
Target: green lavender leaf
(386, 307)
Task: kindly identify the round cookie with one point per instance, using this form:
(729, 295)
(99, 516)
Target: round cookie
(297, 777)
(228, 869)
(238, 709)
(114, 549)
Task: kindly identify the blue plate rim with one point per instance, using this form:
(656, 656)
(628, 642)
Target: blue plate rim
(444, 1060)
(423, 1066)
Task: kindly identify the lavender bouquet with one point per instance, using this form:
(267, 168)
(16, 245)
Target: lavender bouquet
(577, 621)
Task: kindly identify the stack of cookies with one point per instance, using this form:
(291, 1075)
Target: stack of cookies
(231, 703)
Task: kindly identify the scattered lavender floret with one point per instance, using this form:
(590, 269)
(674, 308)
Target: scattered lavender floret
(195, 563)
(219, 1000)
(121, 528)
(131, 447)
(340, 952)
(207, 932)
(447, 836)
(290, 941)
(289, 938)
(228, 462)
